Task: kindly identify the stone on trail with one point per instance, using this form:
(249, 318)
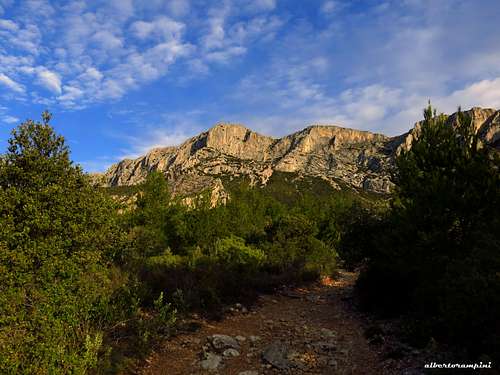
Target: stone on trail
(211, 362)
(276, 354)
(324, 346)
(231, 353)
(249, 372)
(327, 333)
(222, 342)
(254, 339)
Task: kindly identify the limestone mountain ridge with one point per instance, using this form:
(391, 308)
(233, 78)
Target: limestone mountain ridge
(340, 156)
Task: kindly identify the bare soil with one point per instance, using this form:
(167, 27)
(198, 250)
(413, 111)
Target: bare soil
(317, 327)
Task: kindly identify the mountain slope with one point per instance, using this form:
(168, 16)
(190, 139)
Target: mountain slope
(340, 156)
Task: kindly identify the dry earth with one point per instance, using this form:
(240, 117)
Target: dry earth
(311, 330)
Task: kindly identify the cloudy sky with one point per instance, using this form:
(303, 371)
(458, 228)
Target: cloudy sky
(122, 76)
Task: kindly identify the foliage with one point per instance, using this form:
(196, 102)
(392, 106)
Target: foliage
(214, 255)
(233, 252)
(360, 228)
(436, 254)
(57, 235)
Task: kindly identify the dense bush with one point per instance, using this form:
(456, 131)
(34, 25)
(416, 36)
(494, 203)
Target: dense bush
(233, 252)
(360, 226)
(211, 255)
(436, 256)
(57, 235)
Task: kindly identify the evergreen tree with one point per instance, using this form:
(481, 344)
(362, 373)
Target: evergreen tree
(437, 254)
(57, 235)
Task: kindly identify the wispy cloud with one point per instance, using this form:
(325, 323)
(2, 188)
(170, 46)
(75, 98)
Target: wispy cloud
(393, 65)
(170, 129)
(9, 119)
(178, 8)
(153, 139)
(255, 6)
(11, 84)
(162, 28)
(6, 118)
(329, 7)
(50, 80)
(130, 44)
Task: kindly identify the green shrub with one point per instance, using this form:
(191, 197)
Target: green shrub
(57, 235)
(233, 253)
(292, 246)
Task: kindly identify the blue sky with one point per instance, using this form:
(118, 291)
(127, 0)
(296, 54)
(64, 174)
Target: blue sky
(123, 76)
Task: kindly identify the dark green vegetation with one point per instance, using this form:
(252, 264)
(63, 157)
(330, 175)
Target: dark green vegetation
(208, 256)
(85, 280)
(57, 236)
(434, 257)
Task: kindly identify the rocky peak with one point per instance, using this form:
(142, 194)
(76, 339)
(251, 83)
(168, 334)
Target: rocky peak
(490, 130)
(355, 158)
(238, 141)
(478, 116)
(486, 122)
(338, 136)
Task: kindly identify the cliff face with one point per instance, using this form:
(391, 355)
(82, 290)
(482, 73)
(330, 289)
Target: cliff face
(356, 158)
(486, 121)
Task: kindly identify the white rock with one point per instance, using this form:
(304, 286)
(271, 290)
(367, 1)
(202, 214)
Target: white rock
(221, 342)
(231, 353)
(211, 362)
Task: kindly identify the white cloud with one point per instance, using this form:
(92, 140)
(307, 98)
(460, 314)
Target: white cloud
(107, 40)
(224, 40)
(36, 8)
(162, 28)
(26, 38)
(198, 67)
(123, 8)
(248, 31)
(9, 119)
(8, 25)
(168, 129)
(257, 5)
(224, 56)
(11, 84)
(484, 93)
(6, 118)
(70, 94)
(215, 32)
(108, 49)
(329, 7)
(137, 69)
(91, 74)
(178, 8)
(153, 139)
(48, 79)
(290, 94)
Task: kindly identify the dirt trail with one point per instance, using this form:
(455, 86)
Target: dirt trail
(309, 330)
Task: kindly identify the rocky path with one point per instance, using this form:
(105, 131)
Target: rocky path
(309, 330)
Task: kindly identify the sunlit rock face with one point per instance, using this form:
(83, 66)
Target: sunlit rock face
(341, 156)
(486, 122)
